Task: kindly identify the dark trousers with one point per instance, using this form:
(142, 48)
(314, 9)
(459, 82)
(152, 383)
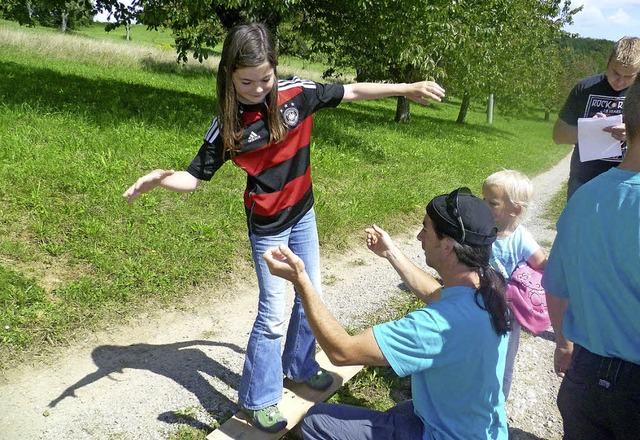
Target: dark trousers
(599, 398)
(581, 172)
(328, 421)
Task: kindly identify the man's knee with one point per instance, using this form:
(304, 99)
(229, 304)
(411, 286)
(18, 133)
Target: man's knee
(311, 425)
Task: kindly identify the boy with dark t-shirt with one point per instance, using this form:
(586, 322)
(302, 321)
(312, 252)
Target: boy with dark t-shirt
(598, 96)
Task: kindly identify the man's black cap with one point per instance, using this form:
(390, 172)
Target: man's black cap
(463, 217)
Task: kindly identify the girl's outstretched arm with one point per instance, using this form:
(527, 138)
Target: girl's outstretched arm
(180, 181)
(421, 92)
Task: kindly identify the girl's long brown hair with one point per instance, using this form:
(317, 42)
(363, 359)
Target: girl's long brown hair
(246, 45)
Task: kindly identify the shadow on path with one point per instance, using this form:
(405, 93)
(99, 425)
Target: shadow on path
(182, 362)
(519, 434)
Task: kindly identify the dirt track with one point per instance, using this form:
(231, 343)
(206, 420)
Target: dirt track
(176, 367)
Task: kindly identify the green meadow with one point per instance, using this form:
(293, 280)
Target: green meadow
(82, 117)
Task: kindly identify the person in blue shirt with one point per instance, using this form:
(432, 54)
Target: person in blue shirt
(453, 348)
(592, 280)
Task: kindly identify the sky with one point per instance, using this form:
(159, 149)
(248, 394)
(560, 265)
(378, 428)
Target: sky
(606, 19)
(601, 19)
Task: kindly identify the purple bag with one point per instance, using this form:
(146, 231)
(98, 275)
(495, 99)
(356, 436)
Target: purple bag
(527, 298)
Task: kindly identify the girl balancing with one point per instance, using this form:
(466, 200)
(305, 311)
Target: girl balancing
(264, 127)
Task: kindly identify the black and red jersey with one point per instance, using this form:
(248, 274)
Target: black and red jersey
(279, 190)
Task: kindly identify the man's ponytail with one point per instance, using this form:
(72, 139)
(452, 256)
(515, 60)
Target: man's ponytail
(492, 285)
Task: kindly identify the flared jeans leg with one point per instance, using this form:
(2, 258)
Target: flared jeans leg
(265, 362)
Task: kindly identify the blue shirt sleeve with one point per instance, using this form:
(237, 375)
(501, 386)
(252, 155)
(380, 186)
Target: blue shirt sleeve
(553, 279)
(410, 344)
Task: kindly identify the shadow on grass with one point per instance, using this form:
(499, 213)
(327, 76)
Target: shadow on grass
(109, 102)
(175, 418)
(193, 69)
(183, 362)
(375, 113)
(105, 102)
(348, 127)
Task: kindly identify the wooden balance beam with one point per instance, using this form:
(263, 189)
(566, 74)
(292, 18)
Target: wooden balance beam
(297, 398)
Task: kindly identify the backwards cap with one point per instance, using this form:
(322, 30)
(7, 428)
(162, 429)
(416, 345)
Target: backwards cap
(463, 217)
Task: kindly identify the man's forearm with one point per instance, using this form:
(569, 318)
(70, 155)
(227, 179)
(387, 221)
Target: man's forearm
(564, 348)
(341, 348)
(557, 308)
(328, 331)
(421, 284)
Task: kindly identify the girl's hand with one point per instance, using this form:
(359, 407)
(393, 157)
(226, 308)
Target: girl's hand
(145, 184)
(422, 92)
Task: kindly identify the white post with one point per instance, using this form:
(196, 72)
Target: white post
(490, 110)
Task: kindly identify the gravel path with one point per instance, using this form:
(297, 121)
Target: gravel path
(175, 367)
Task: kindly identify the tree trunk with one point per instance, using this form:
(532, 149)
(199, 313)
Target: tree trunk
(65, 20)
(546, 115)
(128, 30)
(464, 107)
(490, 110)
(403, 110)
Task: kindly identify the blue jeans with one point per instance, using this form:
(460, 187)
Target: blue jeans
(265, 363)
(326, 421)
(599, 398)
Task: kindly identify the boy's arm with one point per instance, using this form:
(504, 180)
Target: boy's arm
(180, 181)
(420, 92)
(421, 284)
(564, 133)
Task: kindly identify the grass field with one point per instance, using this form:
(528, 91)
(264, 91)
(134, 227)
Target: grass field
(81, 119)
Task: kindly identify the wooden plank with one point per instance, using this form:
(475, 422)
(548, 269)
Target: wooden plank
(296, 400)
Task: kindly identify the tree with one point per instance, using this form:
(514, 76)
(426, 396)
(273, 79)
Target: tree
(197, 25)
(504, 47)
(383, 40)
(582, 57)
(474, 47)
(63, 14)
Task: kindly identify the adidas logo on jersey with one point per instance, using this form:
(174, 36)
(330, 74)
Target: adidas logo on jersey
(253, 137)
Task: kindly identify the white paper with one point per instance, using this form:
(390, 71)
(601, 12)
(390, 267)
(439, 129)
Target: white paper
(595, 143)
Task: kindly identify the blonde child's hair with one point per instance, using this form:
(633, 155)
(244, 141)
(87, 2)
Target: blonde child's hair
(517, 187)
